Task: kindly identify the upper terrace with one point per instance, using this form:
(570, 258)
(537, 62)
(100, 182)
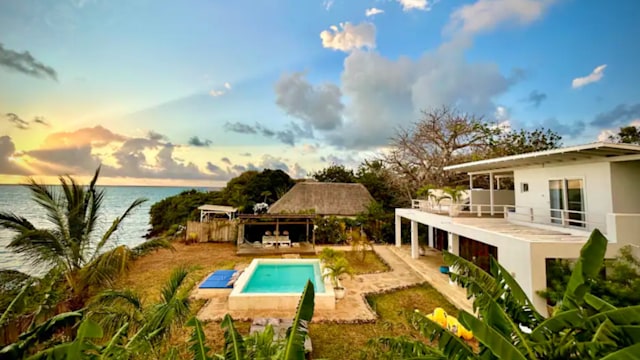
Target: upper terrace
(572, 190)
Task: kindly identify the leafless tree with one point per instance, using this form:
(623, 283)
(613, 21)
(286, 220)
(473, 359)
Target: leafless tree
(442, 137)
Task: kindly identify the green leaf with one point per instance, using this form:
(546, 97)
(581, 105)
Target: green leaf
(628, 353)
(598, 304)
(494, 340)
(586, 269)
(198, 346)
(571, 319)
(296, 334)
(449, 344)
(234, 348)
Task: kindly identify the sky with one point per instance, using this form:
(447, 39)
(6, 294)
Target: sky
(195, 92)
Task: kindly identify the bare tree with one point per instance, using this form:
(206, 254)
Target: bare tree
(443, 136)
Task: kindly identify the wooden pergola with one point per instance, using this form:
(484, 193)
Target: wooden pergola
(206, 210)
(277, 220)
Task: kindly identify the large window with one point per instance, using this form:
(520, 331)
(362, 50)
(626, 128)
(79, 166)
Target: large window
(566, 200)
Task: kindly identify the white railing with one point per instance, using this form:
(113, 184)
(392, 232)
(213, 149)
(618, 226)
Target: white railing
(578, 220)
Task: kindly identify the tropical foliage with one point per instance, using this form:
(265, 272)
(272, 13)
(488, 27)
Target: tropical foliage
(115, 326)
(260, 345)
(70, 244)
(509, 327)
(618, 284)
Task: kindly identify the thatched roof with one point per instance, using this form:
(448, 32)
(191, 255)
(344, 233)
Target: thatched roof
(324, 198)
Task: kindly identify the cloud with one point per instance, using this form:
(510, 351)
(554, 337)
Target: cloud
(16, 121)
(227, 86)
(385, 94)
(229, 170)
(195, 141)
(608, 134)
(226, 160)
(79, 152)
(152, 135)
(373, 11)
(7, 153)
(595, 76)
(349, 37)
(247, 154)
(565, 128)
(408, 5)
(618, 116)
(327, 4)
(25, 63)
(319, 107)
(240, 128)
(96, 136)
(536, 98)
(485, 15)
(216, 93)
(41, 120)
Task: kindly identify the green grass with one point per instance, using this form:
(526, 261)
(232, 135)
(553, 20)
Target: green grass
(347, 341)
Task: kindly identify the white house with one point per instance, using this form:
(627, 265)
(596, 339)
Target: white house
(558, 197)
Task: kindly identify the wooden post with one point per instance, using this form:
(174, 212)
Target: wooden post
(307, 237)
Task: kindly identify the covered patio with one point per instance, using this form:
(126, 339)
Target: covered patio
(276, 234)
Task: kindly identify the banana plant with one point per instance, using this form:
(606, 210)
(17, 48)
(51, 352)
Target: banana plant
(509, 327)
(260, 345)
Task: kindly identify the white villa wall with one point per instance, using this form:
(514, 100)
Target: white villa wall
(500, 197)
(625, 184)
(597, 183)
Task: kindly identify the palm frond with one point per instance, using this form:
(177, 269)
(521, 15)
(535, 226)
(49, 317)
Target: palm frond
(41, 247)
(629, 353)
(116, 223)
(53, 204)
(174, 307)
(16, 300)
(151, 245)
(106, 268)
(11, 221)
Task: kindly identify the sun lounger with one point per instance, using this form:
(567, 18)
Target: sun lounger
(219, 280)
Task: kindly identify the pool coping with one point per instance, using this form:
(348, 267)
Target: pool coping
(239, 300)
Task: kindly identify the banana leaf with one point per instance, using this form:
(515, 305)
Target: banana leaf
(234, 348)
(198, 346)
(586, 268)
(296, 334)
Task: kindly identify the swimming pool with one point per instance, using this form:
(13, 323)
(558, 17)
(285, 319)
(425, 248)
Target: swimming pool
(278, 283)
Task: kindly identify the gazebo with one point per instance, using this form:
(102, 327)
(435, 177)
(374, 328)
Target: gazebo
(207, 210)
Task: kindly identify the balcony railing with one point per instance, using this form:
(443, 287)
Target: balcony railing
(578, 220)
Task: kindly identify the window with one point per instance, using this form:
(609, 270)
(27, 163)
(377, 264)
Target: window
(524, 187)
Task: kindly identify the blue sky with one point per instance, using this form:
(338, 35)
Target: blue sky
(194, 92)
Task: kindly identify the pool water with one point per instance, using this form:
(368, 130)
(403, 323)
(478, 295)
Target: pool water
(284, 278)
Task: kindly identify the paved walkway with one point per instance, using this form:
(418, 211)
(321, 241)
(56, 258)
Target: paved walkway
(353, 307)
(428, 266)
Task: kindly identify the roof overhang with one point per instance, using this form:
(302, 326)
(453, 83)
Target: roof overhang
(217, 208)
(594, 151)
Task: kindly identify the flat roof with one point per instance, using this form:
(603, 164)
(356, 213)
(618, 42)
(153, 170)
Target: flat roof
(218, 208)
(572, 153)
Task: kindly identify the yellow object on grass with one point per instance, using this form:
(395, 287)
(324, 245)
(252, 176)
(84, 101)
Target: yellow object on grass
(450, 323)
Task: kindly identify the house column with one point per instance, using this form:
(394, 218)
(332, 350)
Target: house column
(454, 243)
(431, 242)
(414, 240)
(470, 192)
(491, 192)
(398, 231)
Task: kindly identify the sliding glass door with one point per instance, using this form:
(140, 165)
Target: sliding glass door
(567, 196)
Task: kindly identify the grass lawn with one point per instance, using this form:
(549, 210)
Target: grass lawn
(330, 341)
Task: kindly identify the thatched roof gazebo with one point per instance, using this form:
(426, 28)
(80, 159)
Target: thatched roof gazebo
(326, 199)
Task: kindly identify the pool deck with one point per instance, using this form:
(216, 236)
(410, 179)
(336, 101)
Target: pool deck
(353, 308)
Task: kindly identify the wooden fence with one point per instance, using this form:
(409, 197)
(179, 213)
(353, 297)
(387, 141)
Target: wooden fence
(214, 230)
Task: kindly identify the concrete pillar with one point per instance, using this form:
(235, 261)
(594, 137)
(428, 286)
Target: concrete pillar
(538, 274)
(491, 192)
(415, 253)
(398, 231)
(431, 242)
(454, 243)
(471, 192)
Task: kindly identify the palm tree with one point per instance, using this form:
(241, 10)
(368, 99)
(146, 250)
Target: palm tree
(118, 316)
(71, 245)
(509, 327)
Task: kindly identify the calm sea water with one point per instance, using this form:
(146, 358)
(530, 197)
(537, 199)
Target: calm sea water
(16, 199)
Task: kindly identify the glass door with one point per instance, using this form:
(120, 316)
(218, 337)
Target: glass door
(556, 200)
(567, 196)
(575, 202)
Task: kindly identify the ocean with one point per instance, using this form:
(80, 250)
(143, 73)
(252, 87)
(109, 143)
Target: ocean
(16, 199)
